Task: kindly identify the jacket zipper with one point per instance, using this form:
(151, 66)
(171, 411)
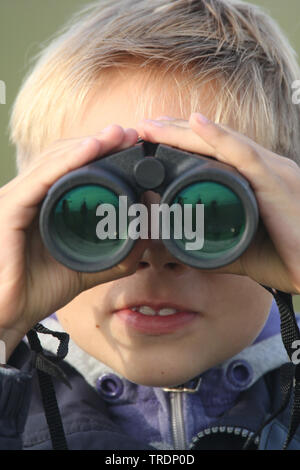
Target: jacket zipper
(177, 422)
(237, 431)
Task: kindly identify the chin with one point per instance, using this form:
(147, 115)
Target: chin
(159, 379)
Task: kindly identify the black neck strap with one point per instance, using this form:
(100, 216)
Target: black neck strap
(290, 372)
(47, 367)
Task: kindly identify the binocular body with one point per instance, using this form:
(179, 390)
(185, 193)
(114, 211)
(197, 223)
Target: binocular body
(76, 204)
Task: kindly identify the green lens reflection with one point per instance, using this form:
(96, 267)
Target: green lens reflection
(224, 217)
(74, 222)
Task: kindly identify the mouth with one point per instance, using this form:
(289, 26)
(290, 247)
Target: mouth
(156, 319)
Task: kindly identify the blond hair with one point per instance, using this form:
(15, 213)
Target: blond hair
(232, 46)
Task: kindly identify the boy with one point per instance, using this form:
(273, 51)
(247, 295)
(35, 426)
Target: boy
(90, 94)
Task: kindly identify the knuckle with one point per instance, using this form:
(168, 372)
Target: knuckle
(252, 153)
(223, 138)
(289, 168)
(292, 164)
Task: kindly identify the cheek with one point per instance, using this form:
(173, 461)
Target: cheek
(78, 317)
(243, 311)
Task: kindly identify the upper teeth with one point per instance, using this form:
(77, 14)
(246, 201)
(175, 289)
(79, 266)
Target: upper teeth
(163, 312)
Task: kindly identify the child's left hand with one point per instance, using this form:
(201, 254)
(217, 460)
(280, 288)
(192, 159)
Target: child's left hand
(273, 258)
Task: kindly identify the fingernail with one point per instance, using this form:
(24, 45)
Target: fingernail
(200, 118)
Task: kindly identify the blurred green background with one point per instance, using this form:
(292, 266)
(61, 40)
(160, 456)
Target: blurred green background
(26, 24)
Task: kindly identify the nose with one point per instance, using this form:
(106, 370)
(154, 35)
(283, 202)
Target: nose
(156, 255)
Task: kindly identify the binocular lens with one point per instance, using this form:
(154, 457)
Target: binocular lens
(224, 218)
(74, 220)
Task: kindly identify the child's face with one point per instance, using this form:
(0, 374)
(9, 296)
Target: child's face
(226, 312)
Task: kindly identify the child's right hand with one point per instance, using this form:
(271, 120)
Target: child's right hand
(32, 283)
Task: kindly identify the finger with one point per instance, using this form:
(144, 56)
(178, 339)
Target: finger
(174, 121)
(213, 140)
(179, 133)
(273, 177)
(209, 139)
(130, 139)
(286, 169)
(168, 128)
(176, 133)
(33, 187)
(231, 148)
(66, 146)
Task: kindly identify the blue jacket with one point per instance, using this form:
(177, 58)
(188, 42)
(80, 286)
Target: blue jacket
(217, 410)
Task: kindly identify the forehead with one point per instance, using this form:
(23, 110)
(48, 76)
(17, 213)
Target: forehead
(127, 96)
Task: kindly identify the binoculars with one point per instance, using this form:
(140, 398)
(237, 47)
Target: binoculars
(76, 204)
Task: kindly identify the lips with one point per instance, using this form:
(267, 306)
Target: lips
(155, 319)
